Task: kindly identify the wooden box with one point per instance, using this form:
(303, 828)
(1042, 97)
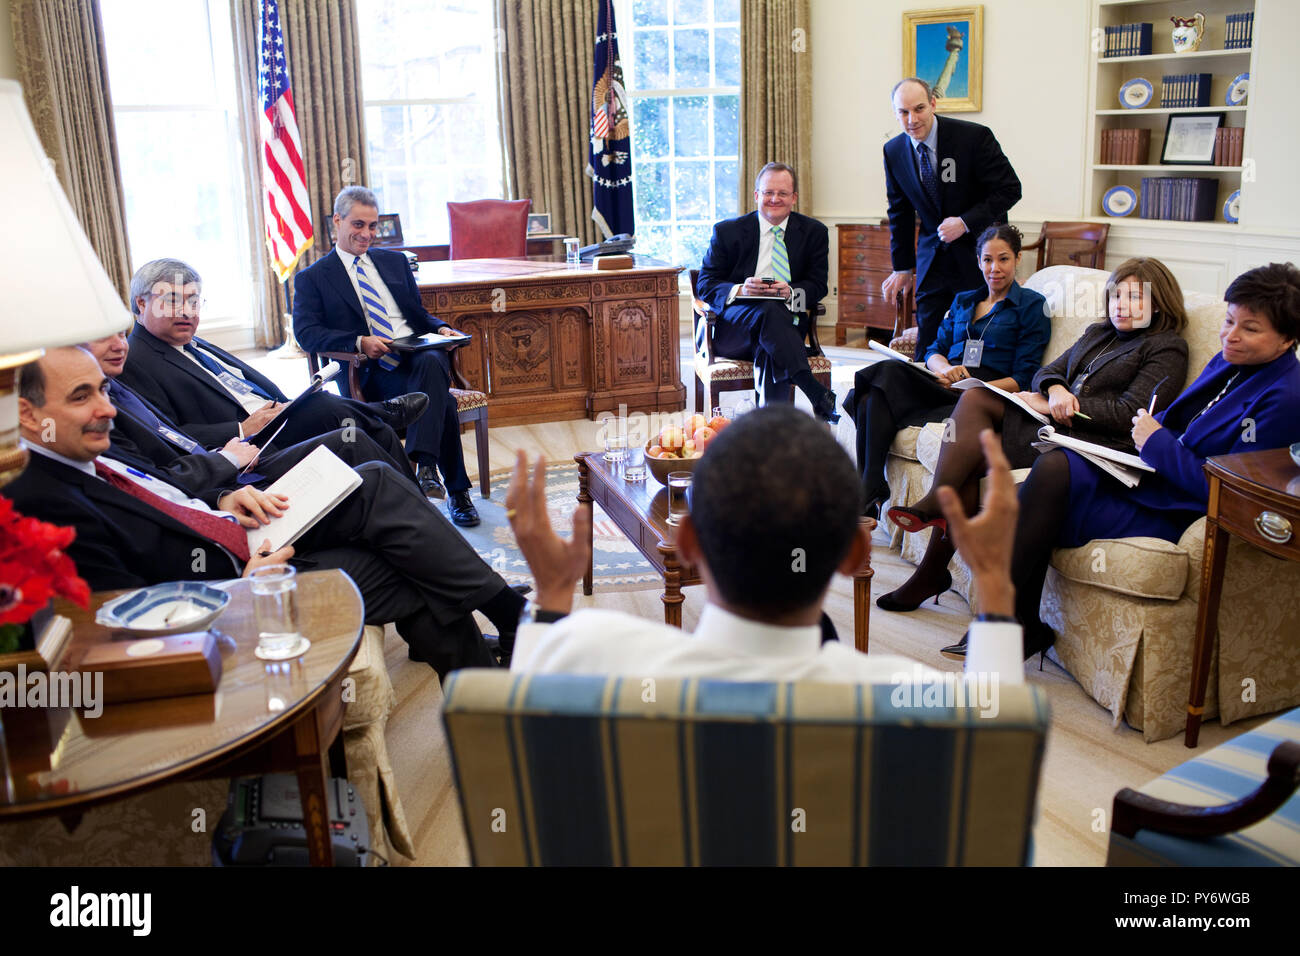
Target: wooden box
(156, 667)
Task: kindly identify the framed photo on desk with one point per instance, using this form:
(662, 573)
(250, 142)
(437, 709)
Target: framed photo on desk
(389, 232)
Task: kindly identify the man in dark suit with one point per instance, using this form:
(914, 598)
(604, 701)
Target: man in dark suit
(213, 396)
(358, 299)
(953, 174)
(134, 527)
(773, 243)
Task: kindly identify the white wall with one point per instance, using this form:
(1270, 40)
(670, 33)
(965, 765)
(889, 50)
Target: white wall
(1036, 102)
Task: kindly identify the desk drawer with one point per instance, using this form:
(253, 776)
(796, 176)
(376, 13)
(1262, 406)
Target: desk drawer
(1240, 510)
(868, 237)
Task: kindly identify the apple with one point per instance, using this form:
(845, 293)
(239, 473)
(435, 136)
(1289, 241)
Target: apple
(703, 437)
(688, 448)
(694, 423)
(718, 423)
(671, 437)
(654, 451)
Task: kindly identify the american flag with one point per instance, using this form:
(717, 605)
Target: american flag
(285, 202)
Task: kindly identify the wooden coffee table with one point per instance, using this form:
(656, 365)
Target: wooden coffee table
(640, 509)
(279, 717)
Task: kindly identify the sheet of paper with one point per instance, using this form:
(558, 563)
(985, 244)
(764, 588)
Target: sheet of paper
(886, 351)
(1012, 397)
(313, 486)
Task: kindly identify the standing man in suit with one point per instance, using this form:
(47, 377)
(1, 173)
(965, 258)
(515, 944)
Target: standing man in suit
(358, 299)
(135, 527)
(953, 174)
(215, 397)
(774, 243)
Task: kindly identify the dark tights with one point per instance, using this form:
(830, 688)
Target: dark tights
(1044, 503)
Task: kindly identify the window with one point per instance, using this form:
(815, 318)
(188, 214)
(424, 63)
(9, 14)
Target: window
(171, 77)
(684, 84)
(428, 80)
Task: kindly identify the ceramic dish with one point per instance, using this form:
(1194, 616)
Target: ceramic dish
(162, 609)
(1136, 94)
(1119, 201)
(1232, 207)
(1238, 89)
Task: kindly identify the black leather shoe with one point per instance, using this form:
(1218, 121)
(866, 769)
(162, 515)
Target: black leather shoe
(397, 413)
(461, 509)
(429, 483)
(825, 409)
(956, 652)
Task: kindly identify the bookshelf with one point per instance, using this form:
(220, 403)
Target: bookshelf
(1109, 74)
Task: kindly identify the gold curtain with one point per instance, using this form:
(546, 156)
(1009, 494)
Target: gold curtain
(544, 64)
(775, 93)
(64, 74)
(320, 38)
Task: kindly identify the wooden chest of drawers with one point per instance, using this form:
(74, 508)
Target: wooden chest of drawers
(864, 264)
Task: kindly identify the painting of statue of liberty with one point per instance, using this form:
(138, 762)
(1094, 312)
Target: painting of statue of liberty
(945, 48)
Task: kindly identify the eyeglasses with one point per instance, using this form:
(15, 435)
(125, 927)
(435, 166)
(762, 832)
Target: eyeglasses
(174, 302)
(769, 194)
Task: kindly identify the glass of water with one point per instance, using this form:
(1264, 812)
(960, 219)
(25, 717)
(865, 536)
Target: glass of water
(275, 608)
(634, 467)
(679, 485)
(615, 448)
(572, 251)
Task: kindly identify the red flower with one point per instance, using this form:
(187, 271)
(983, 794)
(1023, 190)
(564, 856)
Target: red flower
(33, 567)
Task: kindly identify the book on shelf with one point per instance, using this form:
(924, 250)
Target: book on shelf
(1238, 30)
(1179, 90)
(1127, 39)
(1178, 198)
(1227, 145)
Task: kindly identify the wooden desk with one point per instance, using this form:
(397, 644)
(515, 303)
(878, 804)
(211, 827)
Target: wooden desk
(538, 244)
(640, 509)
(1255, 496)
(553, 343)
(269, 717)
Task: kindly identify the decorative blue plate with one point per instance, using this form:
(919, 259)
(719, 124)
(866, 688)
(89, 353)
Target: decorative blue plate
(1232, 208)
(1119, 201)
(163, 609)
(1238, 89)
(1135, 94)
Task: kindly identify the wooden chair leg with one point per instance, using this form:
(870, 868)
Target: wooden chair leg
(481, 441)
(699, 396)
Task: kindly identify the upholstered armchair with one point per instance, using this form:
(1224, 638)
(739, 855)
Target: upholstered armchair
(489, 228)
(1124, 610)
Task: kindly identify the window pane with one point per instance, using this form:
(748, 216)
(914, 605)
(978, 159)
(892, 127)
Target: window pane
(690, 58)
(429, 49)
(648, 13)
(159, 52)
(655, 241)
(691, 242)
(691, 191)
(727, 197)
(690, 11)
(726, 11)
(651, 59)
(649, 128)
(691, 125)
(726, 56)
(652, 198)
(726, 125)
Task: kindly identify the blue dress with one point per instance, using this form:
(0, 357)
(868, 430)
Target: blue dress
(1256, 414)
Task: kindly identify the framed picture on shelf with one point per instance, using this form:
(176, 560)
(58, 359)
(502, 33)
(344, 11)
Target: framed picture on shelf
(389, 232)
(945, 47)
(539, 223)
(1189, 139)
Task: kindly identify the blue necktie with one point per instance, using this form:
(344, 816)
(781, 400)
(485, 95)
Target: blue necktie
(927, 175)
(212, 366)
(129, 402)
(378, 315)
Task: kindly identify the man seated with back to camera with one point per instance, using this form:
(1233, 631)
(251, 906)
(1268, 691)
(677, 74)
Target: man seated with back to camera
(766, 533)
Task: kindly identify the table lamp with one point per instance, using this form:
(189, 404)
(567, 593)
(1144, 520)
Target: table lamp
(55, 289)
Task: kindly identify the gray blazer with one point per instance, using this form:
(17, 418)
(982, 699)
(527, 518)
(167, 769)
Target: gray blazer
(1120, 382)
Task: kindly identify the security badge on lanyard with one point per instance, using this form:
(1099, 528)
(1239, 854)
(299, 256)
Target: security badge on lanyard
(235, 384)
(974, 351)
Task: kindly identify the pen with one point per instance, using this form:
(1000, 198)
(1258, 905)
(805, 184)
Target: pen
(1082, 415)
(1152, 409)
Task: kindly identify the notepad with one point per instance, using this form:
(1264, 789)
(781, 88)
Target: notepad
(1012, 397)
(313, 486)
(431, 340)
(889, 353)
(1122, 466)
(264, 435)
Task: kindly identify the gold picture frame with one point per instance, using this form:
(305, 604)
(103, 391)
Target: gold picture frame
(949, 41)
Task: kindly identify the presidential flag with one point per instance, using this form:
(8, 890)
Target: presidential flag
(610, 162)
(284, 197)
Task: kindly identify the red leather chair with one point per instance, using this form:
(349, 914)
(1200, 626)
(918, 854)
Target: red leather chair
(489, 228)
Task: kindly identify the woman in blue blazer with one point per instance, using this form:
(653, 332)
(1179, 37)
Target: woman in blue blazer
(997, 333)
(1245, 400)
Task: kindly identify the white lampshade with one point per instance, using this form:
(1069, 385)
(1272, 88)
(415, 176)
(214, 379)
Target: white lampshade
(55, 290)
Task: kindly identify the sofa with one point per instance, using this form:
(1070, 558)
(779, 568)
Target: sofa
(1124, 610)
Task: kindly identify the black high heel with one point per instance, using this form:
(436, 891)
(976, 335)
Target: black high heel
(1038, 638)
(887, 602)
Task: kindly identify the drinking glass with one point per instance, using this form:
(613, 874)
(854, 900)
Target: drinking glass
(571, 252)
(615, 448)
(634, 468)
(679, 484)
(275, 608)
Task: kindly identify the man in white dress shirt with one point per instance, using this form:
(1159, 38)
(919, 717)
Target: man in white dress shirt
(772, 518)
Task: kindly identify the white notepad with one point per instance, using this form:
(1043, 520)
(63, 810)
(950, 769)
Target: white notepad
(313, 486)
(1012, 397)
(1124, 467)
(889, 353)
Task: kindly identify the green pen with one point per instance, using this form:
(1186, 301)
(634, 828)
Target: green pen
(1082, 415)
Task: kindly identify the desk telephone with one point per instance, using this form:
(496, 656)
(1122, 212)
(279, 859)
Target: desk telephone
(620, 243)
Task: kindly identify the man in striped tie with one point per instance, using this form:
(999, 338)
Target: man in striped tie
(358, 299)
(764, 274)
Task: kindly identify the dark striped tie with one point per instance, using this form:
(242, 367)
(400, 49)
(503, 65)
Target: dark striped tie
(927, 175)
(378, 315)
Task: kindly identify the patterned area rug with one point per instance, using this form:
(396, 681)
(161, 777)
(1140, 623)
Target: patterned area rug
(616, 565)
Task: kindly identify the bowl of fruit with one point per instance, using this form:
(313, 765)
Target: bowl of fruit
(679, 447)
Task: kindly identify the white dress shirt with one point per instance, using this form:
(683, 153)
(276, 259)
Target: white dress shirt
(250, 400)
(395, 319)
(597, 641)
(763, 267)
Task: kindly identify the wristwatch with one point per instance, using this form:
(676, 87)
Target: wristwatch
(534, 614)
(995, 619)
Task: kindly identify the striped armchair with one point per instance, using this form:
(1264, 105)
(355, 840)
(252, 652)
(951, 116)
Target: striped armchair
(554, 769)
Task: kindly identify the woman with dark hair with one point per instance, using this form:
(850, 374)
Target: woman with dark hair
(1091, 391)
(1245, 400)
(996, 334)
